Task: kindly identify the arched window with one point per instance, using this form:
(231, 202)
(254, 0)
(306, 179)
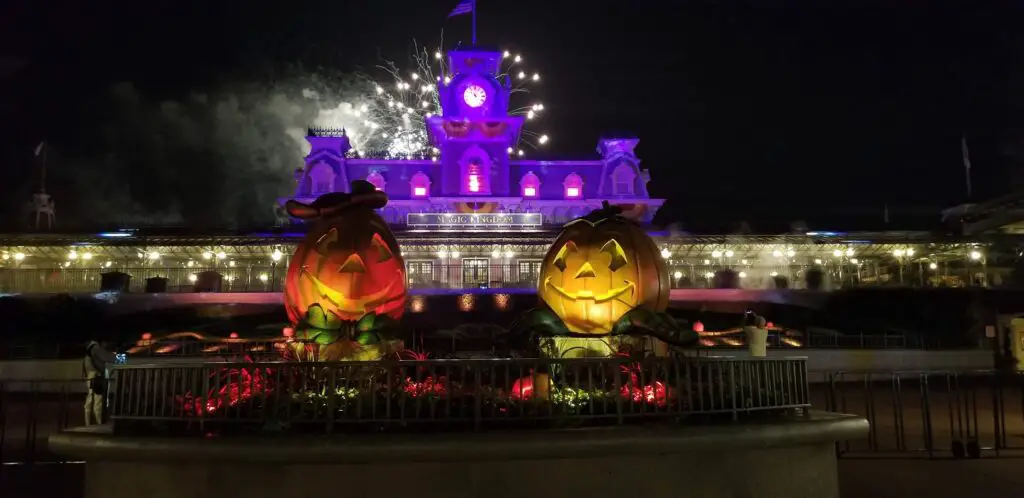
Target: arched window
(376, 179)
(419, 185)
(573, 186)
(623, 179)
(530, 185)
(322, 179)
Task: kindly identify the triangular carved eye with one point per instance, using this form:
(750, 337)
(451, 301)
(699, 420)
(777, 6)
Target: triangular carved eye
(383, 251)
(323, 244)
(563, 253)
(618, 260)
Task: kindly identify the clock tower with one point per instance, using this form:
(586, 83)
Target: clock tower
(474, 130)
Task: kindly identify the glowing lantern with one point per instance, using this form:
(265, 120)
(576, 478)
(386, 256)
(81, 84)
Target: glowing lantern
(600, 267)
(147, 337)
(233, 335)
(769, 325)
(526, 387)
(349, 264)
(698, 326)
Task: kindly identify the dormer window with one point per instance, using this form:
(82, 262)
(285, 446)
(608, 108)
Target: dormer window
(473, 178)
(420, 185)
(376, 179)
(623, 179)
(530, 185)
(573, 186)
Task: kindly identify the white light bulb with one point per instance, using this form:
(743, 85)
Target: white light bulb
(455, 254)
(72, 255)
(19, 256)
(536, 77)
(509, 254)
(192, 277)
(817, 261)
(716, 254)
(932, 266)
(521, 75)
(791, 253)
(849, 252)
(910, 252)
(529, 115)
(543, 139)
(380, 90)
(898, 253)
(415, 76)
(777, 254)
(665, 253)
(518, 58)
(400, 86)
(678, 275)
(437, 55)
(837, 253)
(154, 255)
(520, 152)
(222, 255)
(975, 255)
(505, 54)
(447, 80)
(495, 254)
(855, 261)
(743, 262)
(743, 274)
(87, 256)
(509, 150)
(424, 104)
(774, 274)
(207, 255)
(264, 277)
(276, 255)
(442, 254)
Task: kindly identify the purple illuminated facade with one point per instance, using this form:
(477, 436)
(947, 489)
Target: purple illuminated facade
(475, 172)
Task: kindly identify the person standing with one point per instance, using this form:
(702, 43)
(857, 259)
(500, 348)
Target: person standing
(95, 367)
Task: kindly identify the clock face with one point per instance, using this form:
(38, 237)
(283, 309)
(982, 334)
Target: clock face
(474, 96)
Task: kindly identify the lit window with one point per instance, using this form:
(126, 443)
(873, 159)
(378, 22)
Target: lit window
(530, 184)
(475, 177)
(573, 186)
(420, 184)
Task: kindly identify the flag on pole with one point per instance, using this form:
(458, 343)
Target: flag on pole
(39, 148)
(464, 7)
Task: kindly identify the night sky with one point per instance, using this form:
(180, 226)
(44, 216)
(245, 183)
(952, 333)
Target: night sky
(765, 114)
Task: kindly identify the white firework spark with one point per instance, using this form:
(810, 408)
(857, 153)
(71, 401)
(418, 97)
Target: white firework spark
(393, 114)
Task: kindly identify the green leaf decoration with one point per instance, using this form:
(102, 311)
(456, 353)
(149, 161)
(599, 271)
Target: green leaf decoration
(539, 321)
(658, 324)
(316, 317)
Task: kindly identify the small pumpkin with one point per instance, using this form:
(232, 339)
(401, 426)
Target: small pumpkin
(600, 267)
(349, 265)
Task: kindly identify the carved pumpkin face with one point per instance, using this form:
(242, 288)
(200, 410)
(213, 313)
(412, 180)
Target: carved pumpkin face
(350, 265)
(600, 267)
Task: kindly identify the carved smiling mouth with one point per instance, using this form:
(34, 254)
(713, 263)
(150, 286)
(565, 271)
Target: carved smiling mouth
(586, 294)
(350, 305)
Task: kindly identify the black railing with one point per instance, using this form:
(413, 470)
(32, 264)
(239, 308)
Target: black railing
(468, 274)
(451, 394)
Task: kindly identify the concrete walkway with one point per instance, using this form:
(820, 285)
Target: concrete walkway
(907, 477)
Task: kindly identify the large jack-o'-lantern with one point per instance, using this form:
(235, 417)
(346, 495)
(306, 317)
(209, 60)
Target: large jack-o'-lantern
(600, 267)
(349, 265)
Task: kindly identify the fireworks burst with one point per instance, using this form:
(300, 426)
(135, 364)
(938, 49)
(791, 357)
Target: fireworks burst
(393, 115)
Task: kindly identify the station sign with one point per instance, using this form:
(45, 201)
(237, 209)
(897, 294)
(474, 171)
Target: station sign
(475, 221)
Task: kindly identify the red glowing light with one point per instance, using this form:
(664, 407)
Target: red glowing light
(288, 332)
(426, 387)
(233, 335)
(147, 336)
(522, 388)
(769, 325)
(529, 192)
(698, 326)
(237, 385)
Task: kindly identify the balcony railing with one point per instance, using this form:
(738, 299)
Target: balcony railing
(466, 275)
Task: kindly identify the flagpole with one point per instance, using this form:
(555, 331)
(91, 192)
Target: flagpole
(967, 163)
(474, 23)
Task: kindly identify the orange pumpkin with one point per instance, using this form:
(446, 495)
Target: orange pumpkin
(349, 263)
(600, 267)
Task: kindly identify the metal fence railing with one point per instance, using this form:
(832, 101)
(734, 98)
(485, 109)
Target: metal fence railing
(453, 394)
(937, 413)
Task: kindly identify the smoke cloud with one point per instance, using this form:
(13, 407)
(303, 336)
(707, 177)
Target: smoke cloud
(214, 158)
